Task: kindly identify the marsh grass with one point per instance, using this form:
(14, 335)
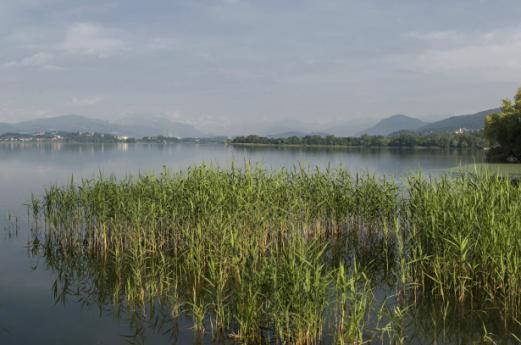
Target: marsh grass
(465, 241)
(293, 256)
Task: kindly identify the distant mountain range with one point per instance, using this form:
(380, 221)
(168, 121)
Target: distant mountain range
(386, 126)
(397, 123)
(131, 126)
(139, 127)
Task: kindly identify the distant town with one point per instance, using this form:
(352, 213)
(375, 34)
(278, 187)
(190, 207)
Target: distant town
(94, 137)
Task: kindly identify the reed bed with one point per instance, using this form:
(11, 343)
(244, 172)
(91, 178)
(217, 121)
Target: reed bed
(293, 256)
(465, 240)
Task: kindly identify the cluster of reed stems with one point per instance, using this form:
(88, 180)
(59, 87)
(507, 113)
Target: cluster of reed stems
(292, 255)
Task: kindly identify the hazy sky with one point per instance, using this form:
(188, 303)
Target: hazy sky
(228, 63)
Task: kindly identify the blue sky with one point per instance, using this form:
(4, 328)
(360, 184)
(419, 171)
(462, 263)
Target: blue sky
(228, 65)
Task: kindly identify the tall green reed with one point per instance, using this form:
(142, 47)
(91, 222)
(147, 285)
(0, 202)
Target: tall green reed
(247, 252)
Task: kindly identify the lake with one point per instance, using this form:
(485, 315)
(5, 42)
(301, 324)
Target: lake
(31, 312)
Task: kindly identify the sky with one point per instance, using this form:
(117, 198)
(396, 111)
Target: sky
(229, 65)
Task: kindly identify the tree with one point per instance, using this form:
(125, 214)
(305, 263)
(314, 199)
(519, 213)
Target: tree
(503, 131)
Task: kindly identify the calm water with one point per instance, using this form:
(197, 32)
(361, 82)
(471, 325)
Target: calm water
(29, 311)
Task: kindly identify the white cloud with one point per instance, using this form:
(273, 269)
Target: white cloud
(91, 39)
(488, 56)
(86, 101)
(40, 61)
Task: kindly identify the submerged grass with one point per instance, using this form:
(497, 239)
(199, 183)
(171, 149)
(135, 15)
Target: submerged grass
(292, 256)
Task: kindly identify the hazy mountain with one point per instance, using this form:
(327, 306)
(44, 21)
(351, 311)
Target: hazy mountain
(66, 123)
(133, 127)
(294, 127)
(473, 122)
(6, 128)
(349, 128)
(296, 134)
(153, 126)
(280, 126)
(393, 124)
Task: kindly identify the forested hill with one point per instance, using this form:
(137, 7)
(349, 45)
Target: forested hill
(399, 123)
(468, 122)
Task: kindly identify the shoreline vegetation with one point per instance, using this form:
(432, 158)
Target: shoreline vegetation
(464, 140)
(474, 140)
(292, 256)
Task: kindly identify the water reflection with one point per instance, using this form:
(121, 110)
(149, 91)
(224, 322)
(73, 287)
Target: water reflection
(151, 156)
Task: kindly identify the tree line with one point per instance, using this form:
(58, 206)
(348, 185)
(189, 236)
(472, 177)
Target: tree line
(467, 140)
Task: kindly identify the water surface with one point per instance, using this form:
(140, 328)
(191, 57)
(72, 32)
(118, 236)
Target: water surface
(30, 313)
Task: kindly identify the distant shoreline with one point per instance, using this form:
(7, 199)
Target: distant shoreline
(321, 146)
(354, 146)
